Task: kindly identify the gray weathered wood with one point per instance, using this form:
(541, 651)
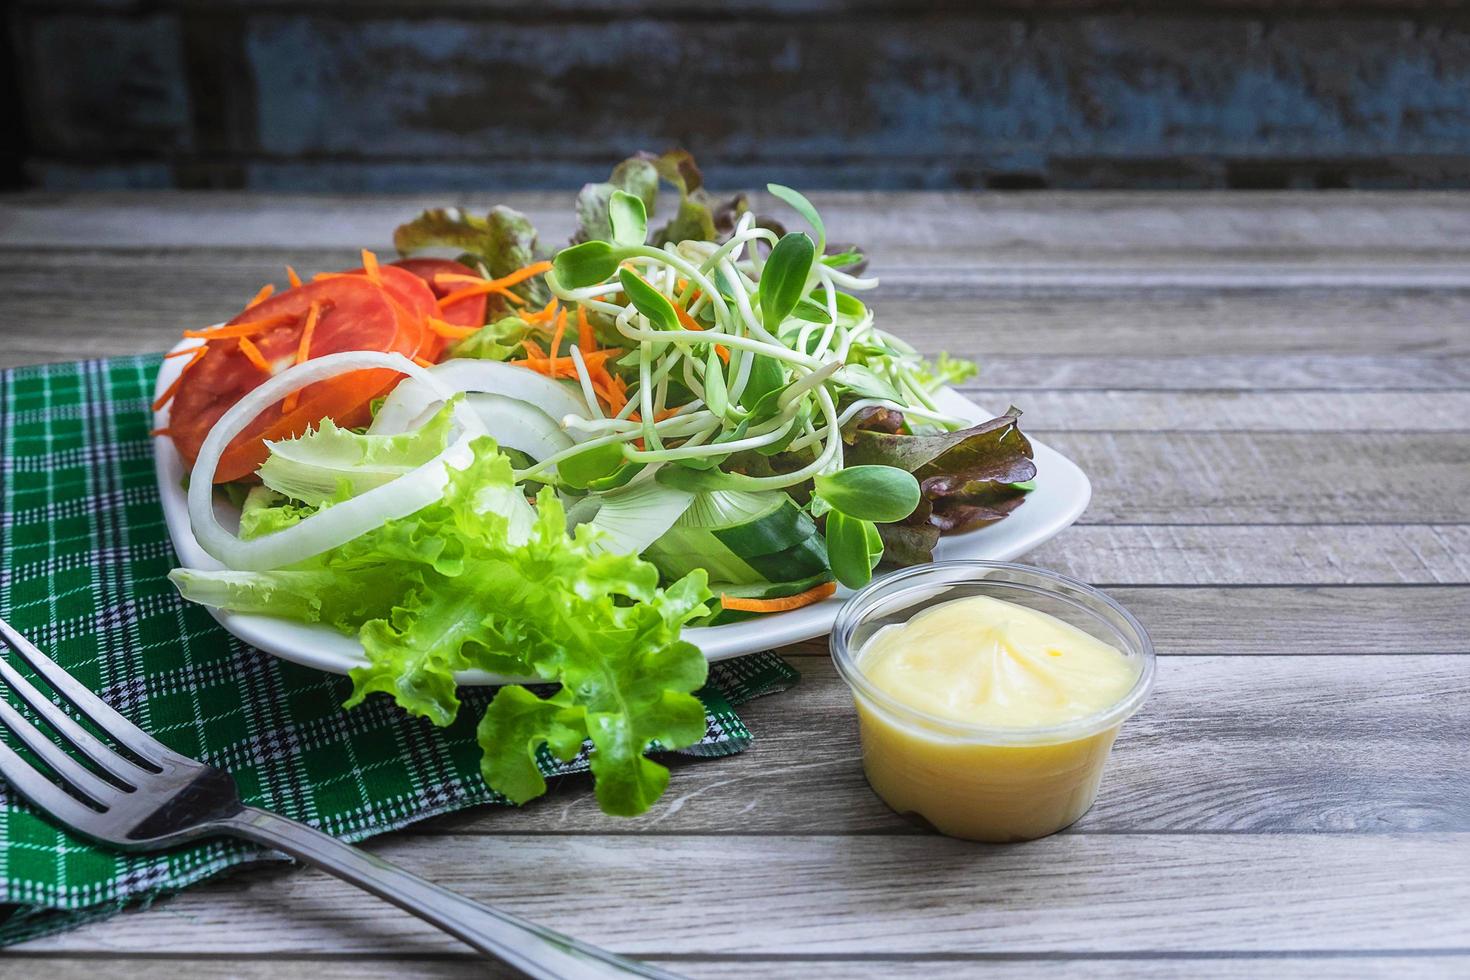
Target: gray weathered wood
(1264, 411)
(1198, 228)
(1270, 477)
(1220, 554)
(1269, 395)
(1313, 745)
(837, 894)
(1148, 966)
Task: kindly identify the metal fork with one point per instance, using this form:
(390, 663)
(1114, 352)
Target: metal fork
(158, 799)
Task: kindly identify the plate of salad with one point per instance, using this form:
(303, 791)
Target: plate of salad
(599, 466)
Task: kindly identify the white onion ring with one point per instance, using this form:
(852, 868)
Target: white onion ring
(340, 523)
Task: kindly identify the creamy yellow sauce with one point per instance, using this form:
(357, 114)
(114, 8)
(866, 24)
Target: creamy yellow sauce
(982, 661)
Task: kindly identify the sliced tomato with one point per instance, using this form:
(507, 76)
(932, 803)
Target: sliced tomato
(354, 314)
(468, 312)
(417, 301)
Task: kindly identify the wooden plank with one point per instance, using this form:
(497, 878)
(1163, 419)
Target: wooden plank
(53, 301)
(1303, 620)
(1314, 745)
(908, 967)
(1271, 477)
(884, 894)
(1328, 554)
(974, 321)
(1212, 411)
(1194, 228)
(1227, 372)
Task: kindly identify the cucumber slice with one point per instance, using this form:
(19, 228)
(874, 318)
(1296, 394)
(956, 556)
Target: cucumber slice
(741, 538)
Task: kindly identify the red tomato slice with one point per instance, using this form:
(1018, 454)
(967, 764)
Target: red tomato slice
(468, 312)
(415, 299)
(355, 315)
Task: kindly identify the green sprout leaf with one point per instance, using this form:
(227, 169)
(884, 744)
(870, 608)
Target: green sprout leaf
(870, 493)
(650, 302)
(716, 396)
(627, 218)
(586, 467)
(783, 280)
(811, 312)
(850, 306)
(767, 378)
(804, 208)
(586, 264)
(853, 548)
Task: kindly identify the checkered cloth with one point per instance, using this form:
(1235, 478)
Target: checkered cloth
(84, 556)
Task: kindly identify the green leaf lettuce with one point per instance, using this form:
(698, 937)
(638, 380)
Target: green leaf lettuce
(460, 585)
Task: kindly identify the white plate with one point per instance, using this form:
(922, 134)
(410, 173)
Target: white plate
(1061, 494)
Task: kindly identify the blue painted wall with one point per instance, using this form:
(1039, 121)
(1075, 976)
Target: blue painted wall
(324, 95)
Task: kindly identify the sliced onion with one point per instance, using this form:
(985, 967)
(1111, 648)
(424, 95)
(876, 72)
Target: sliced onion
(340, 523)
(409, 400)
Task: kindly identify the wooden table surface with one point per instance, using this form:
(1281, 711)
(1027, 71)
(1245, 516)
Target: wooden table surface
(1271, 394)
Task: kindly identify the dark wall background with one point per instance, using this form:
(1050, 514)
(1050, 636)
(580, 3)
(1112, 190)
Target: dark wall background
(404, 94)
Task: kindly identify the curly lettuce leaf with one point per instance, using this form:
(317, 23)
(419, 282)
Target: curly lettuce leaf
(329, 460)
(496, 341)
(635, 175)
(479, 580)
(697, 216)
(945, 370)
(967, 478)
(502, 241)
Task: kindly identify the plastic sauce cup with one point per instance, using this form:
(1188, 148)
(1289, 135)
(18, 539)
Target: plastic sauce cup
(996, 784)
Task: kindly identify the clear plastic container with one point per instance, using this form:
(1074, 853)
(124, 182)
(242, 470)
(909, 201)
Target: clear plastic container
(985, 783)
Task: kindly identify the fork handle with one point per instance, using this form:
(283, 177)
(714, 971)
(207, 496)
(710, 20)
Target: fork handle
(532, 949)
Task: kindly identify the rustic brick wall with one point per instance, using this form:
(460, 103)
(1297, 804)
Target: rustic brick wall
(398, 94)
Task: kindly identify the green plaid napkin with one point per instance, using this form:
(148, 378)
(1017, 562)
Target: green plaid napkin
(84, 556)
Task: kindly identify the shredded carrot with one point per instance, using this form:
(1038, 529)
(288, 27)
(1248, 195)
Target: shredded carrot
(422, 362)
(618, 388)
(253, 355)
(247, 329)
(447, 278)
(370, 266)
(303, 347)
(292, 277)
(520, 275)
(480, 289)
(544, 314)
(180, 352)
(783, 604)
(667, 413)
(262, 296)
(303, 353)
(172, 389)
(585, 339)
(689, 323)
(450, 330)
(556, 339)
(555, 366)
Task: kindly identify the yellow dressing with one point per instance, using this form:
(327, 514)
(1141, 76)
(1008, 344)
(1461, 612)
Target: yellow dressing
(984, 662)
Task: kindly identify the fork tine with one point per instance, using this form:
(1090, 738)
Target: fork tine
(103, 716)
(45, 795)
(99, 790)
